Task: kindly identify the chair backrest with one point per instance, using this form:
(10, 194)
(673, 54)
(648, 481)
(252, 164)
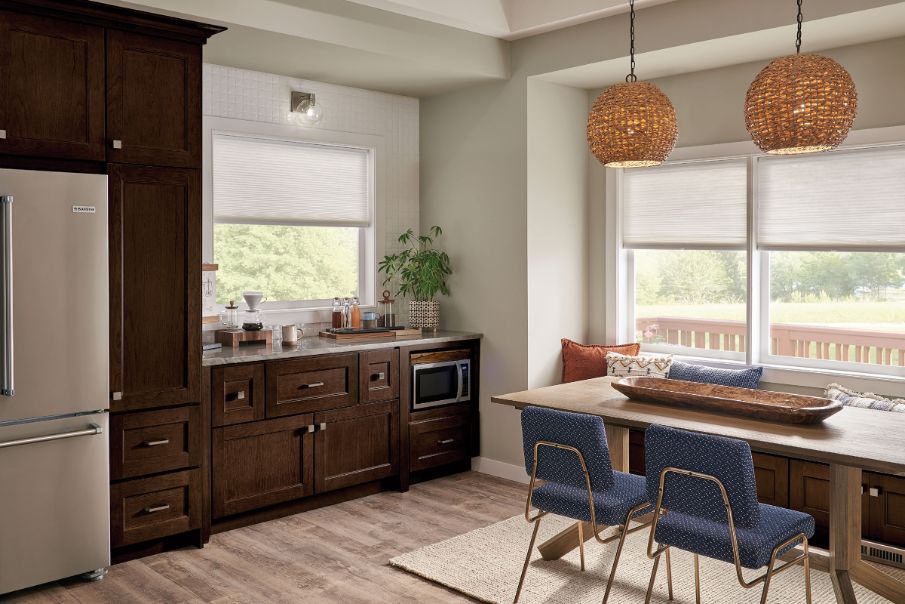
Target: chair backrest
(584, 432)
(726, 459)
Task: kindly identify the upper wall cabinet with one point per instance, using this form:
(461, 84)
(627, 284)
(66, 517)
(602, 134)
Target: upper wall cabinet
(51, 87)
(153, 100)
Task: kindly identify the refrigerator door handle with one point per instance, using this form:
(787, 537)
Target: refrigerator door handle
(7, 386)
(91, 430)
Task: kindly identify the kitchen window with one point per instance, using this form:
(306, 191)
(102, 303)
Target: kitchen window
(292, 219)
(785, 261)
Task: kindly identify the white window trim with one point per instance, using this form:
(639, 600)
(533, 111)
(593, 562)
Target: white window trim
(372, 245)
(619, 299)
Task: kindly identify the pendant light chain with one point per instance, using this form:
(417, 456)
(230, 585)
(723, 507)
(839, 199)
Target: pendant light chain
(798, 37)
(631, 77)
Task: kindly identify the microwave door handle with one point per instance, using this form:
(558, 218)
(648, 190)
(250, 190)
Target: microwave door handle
(461, 381)
(7, 386)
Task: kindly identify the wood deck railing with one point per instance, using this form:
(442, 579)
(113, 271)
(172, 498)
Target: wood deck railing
(805, 341)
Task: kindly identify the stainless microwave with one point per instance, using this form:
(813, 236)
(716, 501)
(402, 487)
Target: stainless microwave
(441, 383)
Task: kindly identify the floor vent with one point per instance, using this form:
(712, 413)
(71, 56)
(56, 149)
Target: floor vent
(884, 554)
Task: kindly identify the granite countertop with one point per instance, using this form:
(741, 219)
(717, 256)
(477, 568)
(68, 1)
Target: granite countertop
(312, 346)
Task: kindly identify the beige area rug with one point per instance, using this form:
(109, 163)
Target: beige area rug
(485, 564)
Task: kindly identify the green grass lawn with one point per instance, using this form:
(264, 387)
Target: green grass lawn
(879, 316)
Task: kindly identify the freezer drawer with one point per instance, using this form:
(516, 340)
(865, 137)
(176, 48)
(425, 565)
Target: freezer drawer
(54, 506)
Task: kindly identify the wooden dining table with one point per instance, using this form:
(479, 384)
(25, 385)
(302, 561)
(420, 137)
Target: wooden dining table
(850, 441)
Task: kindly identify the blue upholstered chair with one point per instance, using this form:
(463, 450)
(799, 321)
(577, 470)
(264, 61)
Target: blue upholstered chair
(568, 451)
(707, 504)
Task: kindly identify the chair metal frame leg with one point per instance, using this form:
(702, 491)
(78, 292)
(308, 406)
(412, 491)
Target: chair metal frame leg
(733, 537)
(593, 514)
(697, 580)
(521, 580)
(653, 577)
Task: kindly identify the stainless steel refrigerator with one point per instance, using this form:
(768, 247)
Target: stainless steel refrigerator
(54, 317)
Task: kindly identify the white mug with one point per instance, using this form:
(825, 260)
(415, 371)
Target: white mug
(290, 333)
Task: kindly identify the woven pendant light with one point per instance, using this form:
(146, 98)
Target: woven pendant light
(801, 103)
(632, 125)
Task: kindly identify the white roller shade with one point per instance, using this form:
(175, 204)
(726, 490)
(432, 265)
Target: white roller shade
(840, 200)
(268, 181)
(693, 205)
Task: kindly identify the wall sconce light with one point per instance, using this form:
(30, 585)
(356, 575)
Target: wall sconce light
(304, 106)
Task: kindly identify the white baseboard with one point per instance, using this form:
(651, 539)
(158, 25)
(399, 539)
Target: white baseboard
(500, 469)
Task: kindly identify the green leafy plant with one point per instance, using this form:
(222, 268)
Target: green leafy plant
(421, 269)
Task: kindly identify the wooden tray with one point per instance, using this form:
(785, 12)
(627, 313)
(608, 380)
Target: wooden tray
(372, 336)
(756, 404)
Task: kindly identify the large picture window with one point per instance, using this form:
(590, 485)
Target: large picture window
(291, 219)
(822, 237)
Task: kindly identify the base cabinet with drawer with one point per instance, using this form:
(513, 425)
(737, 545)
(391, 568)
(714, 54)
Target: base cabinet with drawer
(152, 508)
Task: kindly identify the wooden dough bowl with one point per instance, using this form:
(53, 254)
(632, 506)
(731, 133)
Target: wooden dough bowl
(755, 404)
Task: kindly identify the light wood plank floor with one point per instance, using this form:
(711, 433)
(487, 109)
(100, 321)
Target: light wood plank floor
(333, 554)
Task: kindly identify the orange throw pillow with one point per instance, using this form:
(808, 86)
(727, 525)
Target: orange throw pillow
(584, 361)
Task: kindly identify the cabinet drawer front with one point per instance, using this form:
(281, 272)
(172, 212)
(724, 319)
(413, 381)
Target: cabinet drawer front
(151, 442)
(261, 463)
(150, 508)
(237, 394)
(316, 384)
(379, 375)
(439, 441)
(356, 445)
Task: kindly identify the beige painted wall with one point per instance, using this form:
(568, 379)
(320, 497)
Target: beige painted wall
(476, 153)
(557, 238)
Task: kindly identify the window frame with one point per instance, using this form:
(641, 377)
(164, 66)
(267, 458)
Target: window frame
(619, 279)
(371, 238)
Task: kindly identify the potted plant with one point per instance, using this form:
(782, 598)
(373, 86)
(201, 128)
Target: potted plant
(421, 271)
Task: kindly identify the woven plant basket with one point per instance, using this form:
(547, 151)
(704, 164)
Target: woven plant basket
(800, 104)
(424, 315)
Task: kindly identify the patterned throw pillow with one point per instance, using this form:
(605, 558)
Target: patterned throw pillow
(621, 365)
(739, 378)
(583, 361)
(865, 400)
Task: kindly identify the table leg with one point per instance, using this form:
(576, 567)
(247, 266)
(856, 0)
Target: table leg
(565, 541)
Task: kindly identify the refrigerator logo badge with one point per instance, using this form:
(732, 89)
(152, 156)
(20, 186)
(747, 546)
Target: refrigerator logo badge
(84, 210)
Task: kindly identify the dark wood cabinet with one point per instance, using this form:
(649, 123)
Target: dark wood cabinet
(379, 374)
(356, 445)
(809, 492)
(237, 394)
(771, 473)
(151, 442)
(151, 508)
(261, 463)
(440, 436)
(155, 268)
(51, 87)
(312, 384)
(886, 508)
(636, 459)
(153, 100)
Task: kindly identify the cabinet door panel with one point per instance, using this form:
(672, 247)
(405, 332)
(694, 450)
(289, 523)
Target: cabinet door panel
(809, 492)
(772, 475)
(887, 509)
(356, 445)
(261, 463)
(237, 394)
(155, 268)
(52, 83)
(153, 100)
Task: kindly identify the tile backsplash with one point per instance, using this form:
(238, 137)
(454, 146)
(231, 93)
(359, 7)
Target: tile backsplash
(263, 97)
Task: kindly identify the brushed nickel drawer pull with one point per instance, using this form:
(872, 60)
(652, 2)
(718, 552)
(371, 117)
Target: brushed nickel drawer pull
(157, 443)
(323, 426)
(2, 133)
(240, 396)
(117, 144)
(447, 441)
(379, 376)
(311, 385)
(874, 492)
(311, 428)
(157, 508)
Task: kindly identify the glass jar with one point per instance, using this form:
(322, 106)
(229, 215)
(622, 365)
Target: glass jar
(251, 320)
(229, 318)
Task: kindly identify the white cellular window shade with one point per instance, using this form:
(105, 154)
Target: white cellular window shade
(271, 181)
(694, 205)
(841, 200)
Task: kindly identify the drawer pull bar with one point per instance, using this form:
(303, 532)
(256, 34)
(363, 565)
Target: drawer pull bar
(311, 385)
(157, 508)
(447, 441)
(91, 430)
(157, 443)
(379, 376)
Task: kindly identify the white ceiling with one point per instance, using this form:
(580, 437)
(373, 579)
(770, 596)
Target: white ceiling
(507, 19)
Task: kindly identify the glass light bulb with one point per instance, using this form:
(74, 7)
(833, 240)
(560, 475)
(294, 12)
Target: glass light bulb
(314, 113)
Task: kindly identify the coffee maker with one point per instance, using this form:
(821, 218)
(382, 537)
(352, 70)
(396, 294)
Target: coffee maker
(251, 319)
